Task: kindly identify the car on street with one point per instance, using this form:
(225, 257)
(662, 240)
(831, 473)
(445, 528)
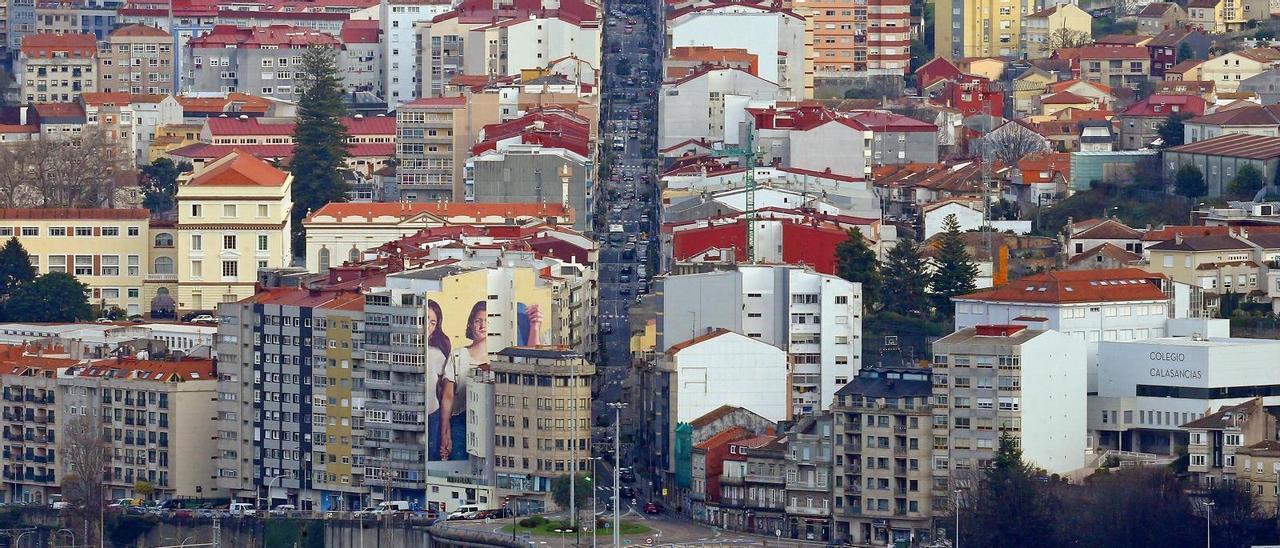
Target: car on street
(627, 492)
(652, 508)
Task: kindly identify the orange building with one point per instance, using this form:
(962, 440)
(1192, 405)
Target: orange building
(684, 60)
(858, 39)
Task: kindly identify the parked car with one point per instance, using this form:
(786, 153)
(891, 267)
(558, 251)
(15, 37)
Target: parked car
(652, 508)
(283, 510)
(204, 318)
(466, 511)
(242, 509)
(367, 512)
(190, 316)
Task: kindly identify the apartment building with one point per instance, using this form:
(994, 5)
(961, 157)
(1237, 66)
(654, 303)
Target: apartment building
(882, 448)
(158, 413)
(990, 380)
(1256, 466)
(234, 218)
(1215, 441)
(1226, 71)
(700, 106)
(979, 28)
(543, 393)
(1219, 264)
(868, 39)
(397, 20)
(136, 59)
(290, 423)
(776, 36)
(54, 68)
(152, 416)
(753, 490)
(113, 262)
(809, 459)
(257, 60)
(518, 37)
(815, 318)
(434, 138)
(130, 119)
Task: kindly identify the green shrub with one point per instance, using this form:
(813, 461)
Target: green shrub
(532, 522)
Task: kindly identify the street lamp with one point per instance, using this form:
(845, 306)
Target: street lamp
(957, 504)
(595, 482)
(562, 532)
(270, 480)
(617, 462)
(1208, 524)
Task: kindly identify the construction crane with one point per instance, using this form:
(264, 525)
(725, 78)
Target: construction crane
(747, 154)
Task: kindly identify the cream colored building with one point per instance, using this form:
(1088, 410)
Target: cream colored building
(57, 68)
(1218, 264)
(1215, 441)
(536, 424)
(1227, 70)
(340, 232)
(233, 219)
(1041, 29)
(136, 59)
(1257, 465)
(107, 249)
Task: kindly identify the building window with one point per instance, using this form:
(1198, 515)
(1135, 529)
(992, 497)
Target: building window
(262, 242)
(228, 210)
(110, 231)
(133, 231)
(197, 269)
(84, 265)
(31, 231)
(110, 265)
(262, 210)
(84, 231)
(229, 241)
(230, 269)
(54, 231)
(197, 242)
(195, 210)
(164, 240)
(135, 265)
(162, 265)
(57, 263)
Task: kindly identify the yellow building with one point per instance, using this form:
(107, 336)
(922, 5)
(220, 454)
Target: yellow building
(233, 219)
(1063, 25)
(172, 137)
(979, 28)
(1028, 87)
(1053, 103)
(104, 248)
(1207, 15)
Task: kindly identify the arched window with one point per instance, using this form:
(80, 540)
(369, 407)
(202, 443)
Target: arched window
(354, 255)
(164, 239)
(324, 259)
(162, 265)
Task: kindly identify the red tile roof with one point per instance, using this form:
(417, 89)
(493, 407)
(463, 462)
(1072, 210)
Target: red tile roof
(1248, 115)
(1109, 250)
(281, 36)
(14, 128)
(551, 127)
(1235, 145)
(207, 151)
(1115, 285)
(43, 44)
(78, 213)
(1049, 163)
(229, 126)
(1065, 98)
(1063, 85)
(232, 102)
(239, 168)
(59, 110)
(137, 30)
(455, 101)
(1108, 229)
(341, 210)
(360, 31)
(734, 433)
(152, 370)
(1163, 105)
(676, 348)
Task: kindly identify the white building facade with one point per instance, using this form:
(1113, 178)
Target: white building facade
(709, 105)
(1147, 389)
(816, 318)
(726, 368)
(776, 37)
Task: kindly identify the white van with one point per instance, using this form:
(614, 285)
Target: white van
(464, 512)
(242, 509)
(393, 506)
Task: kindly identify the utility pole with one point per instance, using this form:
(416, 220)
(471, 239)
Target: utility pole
(617, 462)
(573, 450)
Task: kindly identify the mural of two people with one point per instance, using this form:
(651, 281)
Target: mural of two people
(449, 368)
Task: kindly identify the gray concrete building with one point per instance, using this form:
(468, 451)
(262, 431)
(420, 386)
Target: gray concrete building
(810, 449)
(1220, 159)
(534, 174)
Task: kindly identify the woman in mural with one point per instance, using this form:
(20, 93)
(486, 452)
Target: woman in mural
(453, 403)
(438, 351)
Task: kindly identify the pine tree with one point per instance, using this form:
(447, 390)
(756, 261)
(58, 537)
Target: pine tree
(319, 157)
(906, 269)
(856, 262)
(15, 266)
(1012, 508)
(954, 271)
(1189, 182)
(160, 184)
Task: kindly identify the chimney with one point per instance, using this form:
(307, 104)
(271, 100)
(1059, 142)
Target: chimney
(1177, 238)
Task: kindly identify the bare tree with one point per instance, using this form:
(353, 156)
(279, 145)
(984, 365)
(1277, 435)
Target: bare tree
(56, 172)
(84, 465)
(1067, 38)
(1010, 142)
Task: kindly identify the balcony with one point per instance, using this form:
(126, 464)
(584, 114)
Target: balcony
(853, 446)
(900, 430)
(900, 450)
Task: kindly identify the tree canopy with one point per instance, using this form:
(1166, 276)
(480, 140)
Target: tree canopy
(52, 297)
(159, 184)
(954, 272)
(319, 157)
(1246, 184)
(904, 266)
(15, 266)
(1171, 129)
(1189, 182)
(856, 262)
